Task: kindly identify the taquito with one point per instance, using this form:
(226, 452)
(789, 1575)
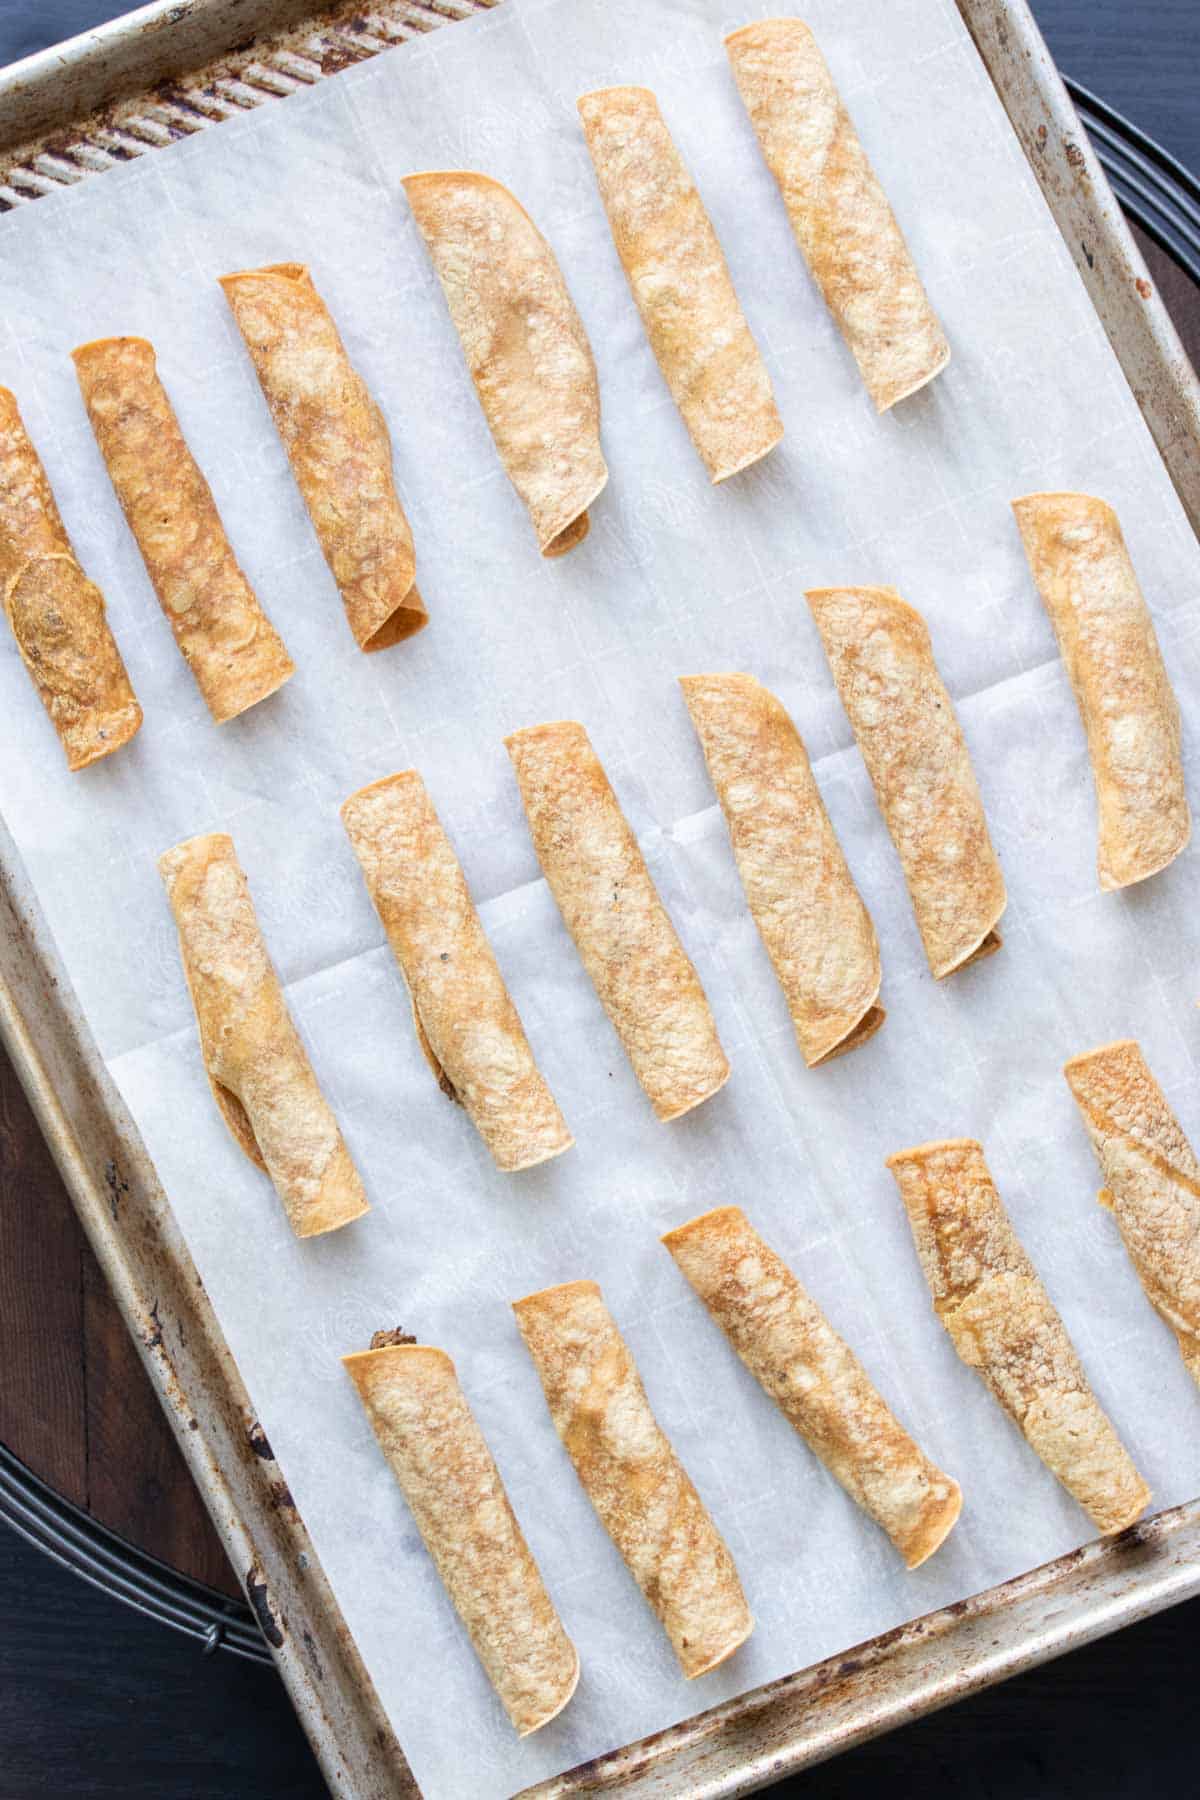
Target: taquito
(912, 744)
(257, 1067)
(453, 1488)
(338, 445)
(57, 614)
(837, 209)
(679, 278)
(801, 894)
(632, 1476)
(816, 1380)
(1002, 1322)
(1151, 1182)
(1106, 635)
(230, 645)
(610, 905)
(524, 345)
(466, 1024)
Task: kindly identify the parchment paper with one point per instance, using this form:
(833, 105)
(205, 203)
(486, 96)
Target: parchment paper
(676, 577)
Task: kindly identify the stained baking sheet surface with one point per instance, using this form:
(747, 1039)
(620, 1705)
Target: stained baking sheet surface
(675, 577)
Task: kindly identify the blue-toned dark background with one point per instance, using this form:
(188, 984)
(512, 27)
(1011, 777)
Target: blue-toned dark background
(96, 1701)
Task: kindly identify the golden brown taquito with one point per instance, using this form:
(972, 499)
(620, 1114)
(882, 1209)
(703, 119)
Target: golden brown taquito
(524, 344)
(57, 614)
(816, 1380)
(1106, 635)
(611, 908)
(801, 894)
(679, 278)
(1002, 1322)
(230, 645)
(1151, 1182)
(466, 1023)
(338, 445)
(912, 744)
(453, 1488)
(838, 211)
(632, 1476)
(256, 1064)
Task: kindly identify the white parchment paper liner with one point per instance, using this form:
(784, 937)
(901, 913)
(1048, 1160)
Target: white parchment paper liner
(675, 577)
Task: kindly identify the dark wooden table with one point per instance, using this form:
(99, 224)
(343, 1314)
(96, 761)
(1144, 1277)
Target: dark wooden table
(95, 1700)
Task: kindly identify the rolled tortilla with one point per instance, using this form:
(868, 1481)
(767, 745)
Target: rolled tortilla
(260, 1075)
(1108, 643)
(466, 1024)
(453, 1488)
(231, 647)
(801, 894)
(838, 211)
(680, 281)
(816, 1380)
(631, 1475)
(524, 344)
(882, 661)
(1001, 1322)
(611, 908)
(338, 445)
(56, 613)
(1151, 1182)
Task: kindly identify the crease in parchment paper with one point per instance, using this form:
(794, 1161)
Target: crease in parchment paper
(836, 765)
(675, 578)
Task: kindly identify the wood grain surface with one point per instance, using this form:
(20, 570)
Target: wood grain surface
(75, 1403)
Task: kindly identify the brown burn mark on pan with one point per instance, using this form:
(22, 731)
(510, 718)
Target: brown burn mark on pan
(387, 1339)
(310, 1645)
(193, 118)
(281, 1495)
(260, 1606)
(117, 1186)
(341, 52)
(1139, 1536)
(260, 1443)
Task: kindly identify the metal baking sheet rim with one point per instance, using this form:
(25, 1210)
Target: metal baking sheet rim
(804, 1718)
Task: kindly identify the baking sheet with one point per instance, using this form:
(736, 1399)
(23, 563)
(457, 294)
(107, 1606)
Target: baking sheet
(675, 577)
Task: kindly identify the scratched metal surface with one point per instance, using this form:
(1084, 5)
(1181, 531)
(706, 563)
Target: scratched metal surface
(174, 69)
